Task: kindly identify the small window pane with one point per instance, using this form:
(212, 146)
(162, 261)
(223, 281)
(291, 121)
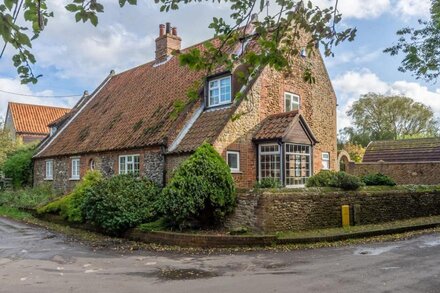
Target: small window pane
(233, 160)
(220, 91)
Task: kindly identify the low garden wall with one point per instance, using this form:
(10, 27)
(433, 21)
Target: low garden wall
(303, 210)
(401, 172)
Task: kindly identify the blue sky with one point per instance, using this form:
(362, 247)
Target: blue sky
(76, 57)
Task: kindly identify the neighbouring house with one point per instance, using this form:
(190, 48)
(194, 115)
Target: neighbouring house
(29, 123)
(286, 127)
(407, 161)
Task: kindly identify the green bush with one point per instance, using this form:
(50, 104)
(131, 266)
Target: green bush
(18, 166)
(334, 179)
(268, 183)
(201, 191)
(70, 206)
(28, 197)
(347, 181)
(119, 203)
(322, 179)
(376, 179)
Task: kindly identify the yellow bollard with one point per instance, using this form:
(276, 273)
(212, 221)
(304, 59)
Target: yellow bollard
(345, 215)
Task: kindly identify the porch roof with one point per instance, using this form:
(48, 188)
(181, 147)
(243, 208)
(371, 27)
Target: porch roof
(287, 127)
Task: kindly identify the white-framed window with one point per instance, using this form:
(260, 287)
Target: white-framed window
(49, 170)
(298, 164)
(129, 164)
(269, 161)
(325, 161)
(219, 91)
(233, 160)
(291, 102)
(75, 165)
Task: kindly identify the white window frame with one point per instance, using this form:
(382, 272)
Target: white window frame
(325, 160)
(219, 88)
(49, 167)
(260, 153)
(124, 170)
(92, 164)
(75, 168)
(291, 96)
(237, 153)
(53, 129)
(308, 155)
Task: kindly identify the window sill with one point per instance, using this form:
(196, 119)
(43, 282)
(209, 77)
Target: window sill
(236, 172)
(74, 179)
(48, 179)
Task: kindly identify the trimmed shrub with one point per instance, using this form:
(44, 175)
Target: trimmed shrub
(70, 206)
(376, 179)
(334, 179)
(322, 179)
(268, 183)
(18, 166)
(201, 191)
(119, 203)
(347, 181)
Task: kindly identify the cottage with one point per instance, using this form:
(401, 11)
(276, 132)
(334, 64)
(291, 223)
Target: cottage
(29, 123)
(129, 124)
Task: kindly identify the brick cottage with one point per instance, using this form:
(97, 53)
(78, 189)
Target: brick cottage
(286, 129)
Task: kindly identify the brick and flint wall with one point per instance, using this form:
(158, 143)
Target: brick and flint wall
(305, 210)
(151, 165)
(266, 97)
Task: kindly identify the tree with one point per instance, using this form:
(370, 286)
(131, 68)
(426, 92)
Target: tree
(277, 34)
(7, 144)
(380, 117)
(421, 47)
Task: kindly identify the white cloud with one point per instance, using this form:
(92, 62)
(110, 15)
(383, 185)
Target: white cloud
(412, 8)
(359, 9)
(351, 85)
(14, 85)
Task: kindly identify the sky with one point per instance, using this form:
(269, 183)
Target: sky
(74, 57)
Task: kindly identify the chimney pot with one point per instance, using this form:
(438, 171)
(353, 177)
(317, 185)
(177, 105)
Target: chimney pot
(167, 42)
(161, 30)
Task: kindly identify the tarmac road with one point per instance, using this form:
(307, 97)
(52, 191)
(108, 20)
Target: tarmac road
(34, 260)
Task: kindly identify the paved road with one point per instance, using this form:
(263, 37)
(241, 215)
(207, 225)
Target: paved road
(34, 260)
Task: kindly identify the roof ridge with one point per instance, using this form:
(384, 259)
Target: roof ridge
(37, 105)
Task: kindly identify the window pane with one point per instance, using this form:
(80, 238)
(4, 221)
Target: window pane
(233, 160)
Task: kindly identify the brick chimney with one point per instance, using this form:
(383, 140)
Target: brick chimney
(167, 42)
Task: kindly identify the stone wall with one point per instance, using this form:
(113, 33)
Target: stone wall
(297, 210)
(151, 163)
(402, 173)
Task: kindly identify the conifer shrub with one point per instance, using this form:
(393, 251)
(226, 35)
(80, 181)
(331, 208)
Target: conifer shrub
(119, 203)
(378, 179)
(201, 192)
(334, 179)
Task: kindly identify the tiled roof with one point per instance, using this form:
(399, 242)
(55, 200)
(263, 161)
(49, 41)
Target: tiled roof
(274, 126)
(286, 126)
(133, 109)
(407, 150)
(34, 119)
(205, 129)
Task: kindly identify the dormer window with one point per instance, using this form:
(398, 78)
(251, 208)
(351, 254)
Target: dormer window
(291, 102)
(53, 129)
(219, 91)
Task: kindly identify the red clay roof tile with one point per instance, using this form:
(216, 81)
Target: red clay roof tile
(34, 119)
